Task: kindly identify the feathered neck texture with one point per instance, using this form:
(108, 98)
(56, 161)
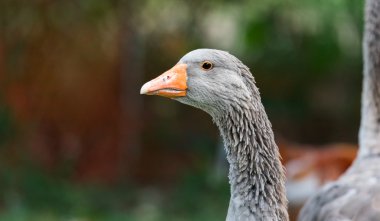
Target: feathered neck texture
(369, 134)
(256, 174)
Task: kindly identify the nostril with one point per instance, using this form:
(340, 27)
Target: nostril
(166, 78)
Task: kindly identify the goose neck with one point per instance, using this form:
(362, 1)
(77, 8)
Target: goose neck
(256, 175)
(369, 134)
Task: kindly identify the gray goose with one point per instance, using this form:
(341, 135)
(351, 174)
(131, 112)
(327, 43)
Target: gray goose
(356, 194)
(221, 85)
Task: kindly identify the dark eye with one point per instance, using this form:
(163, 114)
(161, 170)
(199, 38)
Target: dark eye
(206, 65)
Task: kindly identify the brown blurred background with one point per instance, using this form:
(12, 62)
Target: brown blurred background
(78, 142)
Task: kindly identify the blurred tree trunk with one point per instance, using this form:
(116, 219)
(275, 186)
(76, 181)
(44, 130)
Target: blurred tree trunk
(2, 63)
(131, 79)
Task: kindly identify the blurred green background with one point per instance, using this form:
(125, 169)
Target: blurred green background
(78, 142)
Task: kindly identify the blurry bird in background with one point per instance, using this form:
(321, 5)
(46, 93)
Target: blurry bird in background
(356, 194)
(309, 167)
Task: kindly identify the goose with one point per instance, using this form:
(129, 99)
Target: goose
(356, 194)
(222, 86)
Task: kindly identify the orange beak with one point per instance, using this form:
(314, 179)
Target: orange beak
(171, 84)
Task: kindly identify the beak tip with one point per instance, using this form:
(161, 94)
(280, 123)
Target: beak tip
(145, 88)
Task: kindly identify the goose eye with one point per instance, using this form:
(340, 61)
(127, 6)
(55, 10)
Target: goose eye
(206, 65)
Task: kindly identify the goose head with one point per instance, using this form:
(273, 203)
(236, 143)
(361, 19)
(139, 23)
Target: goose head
(209, 79)
(222, 85)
